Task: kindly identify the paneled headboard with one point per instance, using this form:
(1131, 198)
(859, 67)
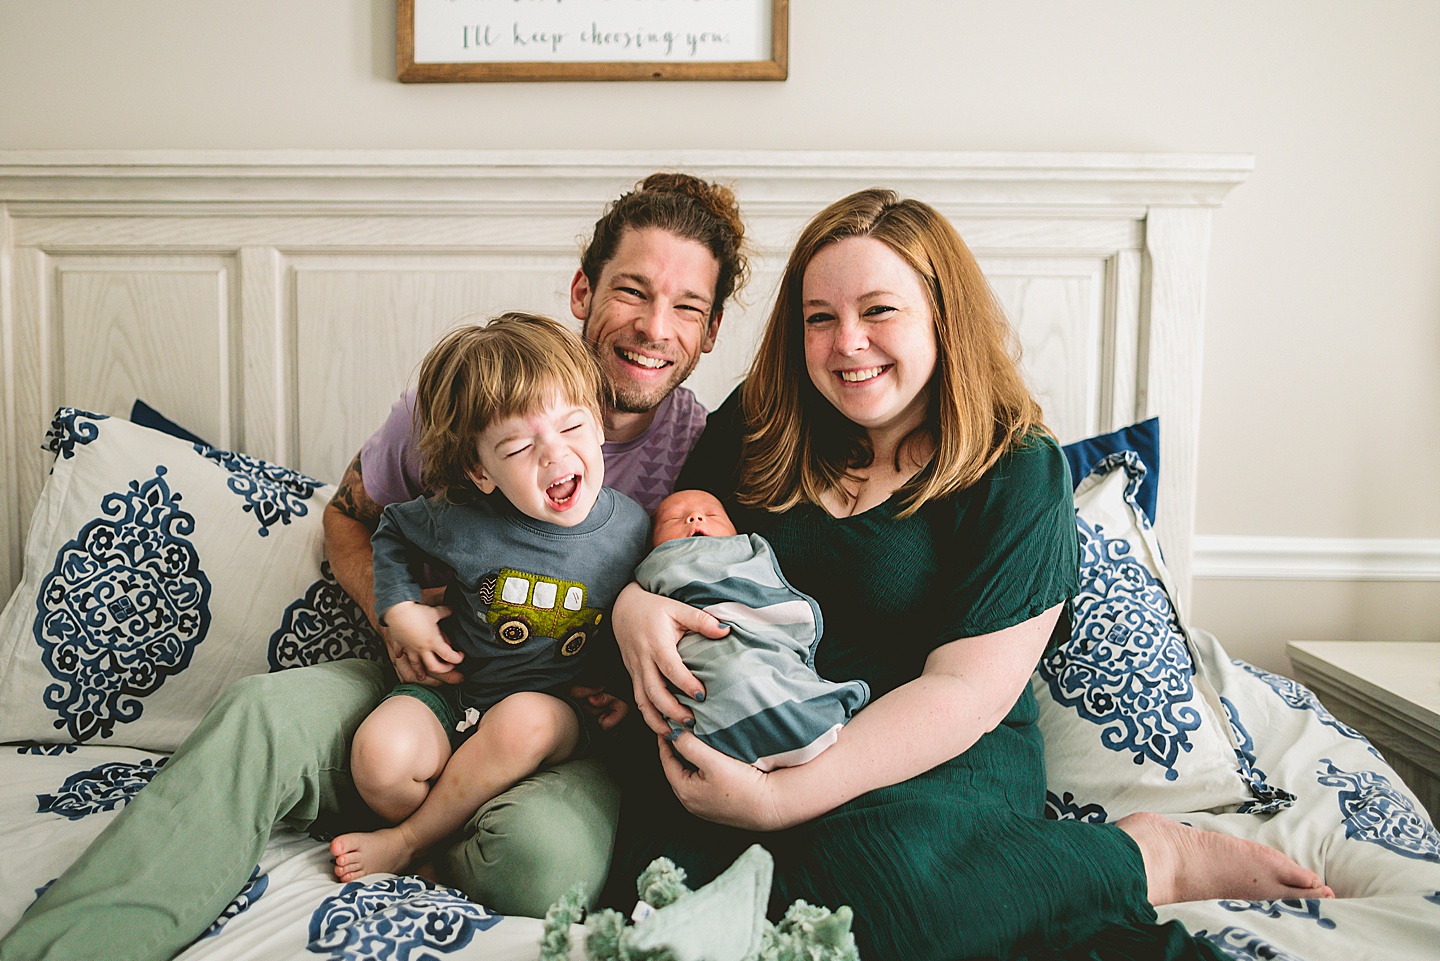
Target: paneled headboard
(276, 302)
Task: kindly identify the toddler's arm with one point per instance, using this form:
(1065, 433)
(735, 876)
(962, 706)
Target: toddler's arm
(413, 627)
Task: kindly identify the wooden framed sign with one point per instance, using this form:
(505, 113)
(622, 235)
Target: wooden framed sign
(462, 40)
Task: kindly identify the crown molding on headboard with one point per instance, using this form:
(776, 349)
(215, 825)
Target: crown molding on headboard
(247, 257)
(377, 177)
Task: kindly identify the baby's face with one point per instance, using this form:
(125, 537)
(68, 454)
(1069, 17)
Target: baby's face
(690, 514)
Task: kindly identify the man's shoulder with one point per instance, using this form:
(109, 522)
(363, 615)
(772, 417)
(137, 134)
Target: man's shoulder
(684, 402)
(684, 422)
(714, 461)
(389, 460)
(645, 468)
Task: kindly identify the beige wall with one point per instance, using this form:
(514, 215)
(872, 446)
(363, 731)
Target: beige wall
(1322, 397)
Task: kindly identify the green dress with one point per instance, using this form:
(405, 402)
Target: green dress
(959, 861)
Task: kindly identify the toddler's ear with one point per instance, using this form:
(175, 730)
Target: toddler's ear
(479, 478)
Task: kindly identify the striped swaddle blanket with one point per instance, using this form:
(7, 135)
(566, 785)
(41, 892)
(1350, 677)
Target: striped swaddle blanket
(764, 703)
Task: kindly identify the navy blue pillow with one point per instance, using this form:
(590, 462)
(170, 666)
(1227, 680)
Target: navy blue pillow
(1143, 438)
(146, 416)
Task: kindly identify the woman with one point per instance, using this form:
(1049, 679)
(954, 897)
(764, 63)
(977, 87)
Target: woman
(886, 445)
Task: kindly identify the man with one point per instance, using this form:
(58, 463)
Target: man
(650, 294)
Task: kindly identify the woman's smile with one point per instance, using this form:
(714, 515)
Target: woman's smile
(863, 375)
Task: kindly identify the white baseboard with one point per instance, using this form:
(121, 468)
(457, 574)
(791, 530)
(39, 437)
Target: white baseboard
(1316, 558)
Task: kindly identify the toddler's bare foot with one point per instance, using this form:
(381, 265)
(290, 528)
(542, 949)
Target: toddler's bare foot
(373, 852)
(1186, 864)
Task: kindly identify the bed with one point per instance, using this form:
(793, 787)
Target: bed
(275, 303)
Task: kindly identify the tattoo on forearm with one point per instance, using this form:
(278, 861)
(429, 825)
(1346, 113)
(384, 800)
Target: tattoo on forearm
(351, 500)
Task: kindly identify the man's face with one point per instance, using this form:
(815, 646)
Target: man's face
(650, 314)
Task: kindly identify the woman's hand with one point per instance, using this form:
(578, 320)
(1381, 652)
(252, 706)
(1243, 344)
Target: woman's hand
(648, 628)
(721, 789)
(418, 648)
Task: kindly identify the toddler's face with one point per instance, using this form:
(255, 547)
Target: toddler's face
(547, 463)
(690, 514)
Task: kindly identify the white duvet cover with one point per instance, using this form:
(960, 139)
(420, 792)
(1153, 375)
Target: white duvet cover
(1353, 821)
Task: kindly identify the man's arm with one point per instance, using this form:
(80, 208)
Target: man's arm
(350, 519)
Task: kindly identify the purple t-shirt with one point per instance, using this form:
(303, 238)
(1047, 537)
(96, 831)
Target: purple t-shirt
(644, 468)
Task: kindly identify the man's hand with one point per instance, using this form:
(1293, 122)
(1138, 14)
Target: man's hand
(418, 648)
(607, 709)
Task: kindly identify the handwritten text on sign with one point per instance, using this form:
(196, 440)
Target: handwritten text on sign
(585, 31)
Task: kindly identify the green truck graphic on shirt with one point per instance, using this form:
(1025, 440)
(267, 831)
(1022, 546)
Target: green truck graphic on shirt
(524, 605)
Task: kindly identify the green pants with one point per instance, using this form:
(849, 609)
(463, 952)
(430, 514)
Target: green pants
(276, 747)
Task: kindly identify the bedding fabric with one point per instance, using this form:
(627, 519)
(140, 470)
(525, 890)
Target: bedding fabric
(54, 800)
(1130, 723)
(1353, 820)
(146, 416)
(156, 573)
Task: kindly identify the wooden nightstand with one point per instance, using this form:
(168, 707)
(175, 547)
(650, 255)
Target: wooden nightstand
(1390, 692)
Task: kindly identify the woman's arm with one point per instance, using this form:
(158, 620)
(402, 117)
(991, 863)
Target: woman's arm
(648, 628)
(965, 691)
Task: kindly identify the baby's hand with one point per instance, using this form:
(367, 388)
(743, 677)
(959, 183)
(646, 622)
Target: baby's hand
(418, 647)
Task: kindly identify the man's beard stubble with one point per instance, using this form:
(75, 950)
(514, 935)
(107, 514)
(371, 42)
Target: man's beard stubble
(642, 401)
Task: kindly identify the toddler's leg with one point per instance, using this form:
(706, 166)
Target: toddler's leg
(513, 739)
(398, 752)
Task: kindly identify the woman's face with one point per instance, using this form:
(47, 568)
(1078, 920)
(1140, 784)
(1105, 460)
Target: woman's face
(870, 345)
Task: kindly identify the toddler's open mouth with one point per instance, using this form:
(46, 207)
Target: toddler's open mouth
(561, 494)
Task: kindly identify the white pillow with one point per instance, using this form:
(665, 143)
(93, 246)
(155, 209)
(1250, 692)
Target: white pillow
(1129, 725)
(157, 572)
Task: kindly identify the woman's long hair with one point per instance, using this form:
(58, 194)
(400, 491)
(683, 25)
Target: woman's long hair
(798, 446)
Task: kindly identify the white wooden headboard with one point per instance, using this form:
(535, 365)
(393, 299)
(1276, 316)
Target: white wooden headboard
(276, 302)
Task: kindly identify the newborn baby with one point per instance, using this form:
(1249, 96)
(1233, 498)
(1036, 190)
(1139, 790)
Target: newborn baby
(764, 703)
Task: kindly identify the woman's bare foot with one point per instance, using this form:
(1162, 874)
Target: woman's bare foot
(1186, 864)
(372, 852)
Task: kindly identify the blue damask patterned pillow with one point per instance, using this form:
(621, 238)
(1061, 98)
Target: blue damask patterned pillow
(157, 572)
(1129, 725)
